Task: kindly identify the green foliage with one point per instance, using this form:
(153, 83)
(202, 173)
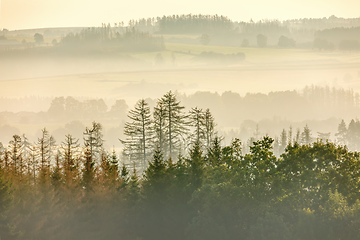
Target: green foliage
(311, 191)
(285, 42)
(38, 38)
(105, 37)
(261, 40)
(5, 203)
(194, 24)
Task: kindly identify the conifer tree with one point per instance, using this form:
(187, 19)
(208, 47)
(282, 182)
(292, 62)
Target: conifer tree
(197, 120)
(160, 127)
(133, 189)
(124, 175)
(297, 136)
(16, 151)
(196, 164)
(283, 141)
(88, 172)
(154, 174)
(69, 150)
(306, 136)
(209, 127)
(113, 170)
(175, 122)
(214, 152)
(139, 131)
(56, 174)
(341, 134)
(290, 140)
(93, 140)
(353, 135)
(5, 201)
(44, 147)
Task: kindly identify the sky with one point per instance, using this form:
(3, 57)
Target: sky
(28, 14)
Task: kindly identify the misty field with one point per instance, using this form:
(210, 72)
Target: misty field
(179, 68)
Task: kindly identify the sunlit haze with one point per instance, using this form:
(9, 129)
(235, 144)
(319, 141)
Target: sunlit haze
(25, 14)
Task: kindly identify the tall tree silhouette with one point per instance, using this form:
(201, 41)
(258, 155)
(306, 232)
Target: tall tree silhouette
(139, 131)
(175, 122)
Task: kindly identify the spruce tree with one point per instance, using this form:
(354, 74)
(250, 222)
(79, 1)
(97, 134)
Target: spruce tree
(341, 134)
(16, 151)
(45, 143)
(5, 201)
(283, 141)
(139, 132)
(196, 165)
(160, 127)
(306, 136)
(175, 122)
(209, 127)
(69, 150)
(197, 121)
(93, 140)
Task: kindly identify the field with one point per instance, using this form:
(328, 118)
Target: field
(181, 69)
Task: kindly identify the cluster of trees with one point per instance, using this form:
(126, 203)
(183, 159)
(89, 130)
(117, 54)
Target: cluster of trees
(349, 135)
(310, 192)
(321, 33)
(271, 111)
(181, 24)
(169, 129)
(69, 108)
(328, 31)
(346, 39)
(109, 38)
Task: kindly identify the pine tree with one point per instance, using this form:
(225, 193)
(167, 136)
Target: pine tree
(197, 120)
(209, 127)
(196, 164)
(133, 189)
(16, 151)
(214, 152)
(297, 137)
(88, 172)
(93, 140)
(5, 201)
(175, 122)
(56, 174)
(139, 132)
(283, 141)
(306, 136)
(154, 174)
(160, 127)
(290, 136)
(69, 149)
(114, 170)
(341, 134)
(45, 144)
(124, 175)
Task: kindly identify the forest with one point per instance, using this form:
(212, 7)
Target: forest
(258, 138)
(149, 34)
(175, 179)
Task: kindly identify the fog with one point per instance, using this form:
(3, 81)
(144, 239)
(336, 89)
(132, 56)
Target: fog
(203, 73)
(181, 127)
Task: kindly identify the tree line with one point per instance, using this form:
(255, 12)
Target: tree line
(310, 191)
(181, 182)
(169, 129)
(109, 38)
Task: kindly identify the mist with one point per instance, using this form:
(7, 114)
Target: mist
(199, 125)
